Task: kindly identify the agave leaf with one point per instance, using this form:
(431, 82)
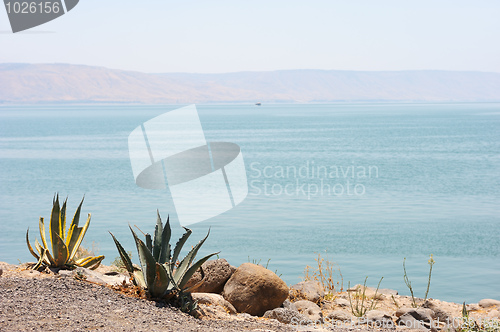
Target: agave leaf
(38, 247)
(158, 237)
(90, 262)
(147, 260)
(54, 223)
(48, 257)
(124, 256)
(81, 234)
(189, 273)
(75, 235)
(41, 259)
(180, 244)
(165, 243)
(41, 227)
(186, 262)
(173, 285)
(29, 245)
(139, 279)
(74, 224)
(61, 253)
(62, 220)
(48, 260)
(161, 281)
(149, 242)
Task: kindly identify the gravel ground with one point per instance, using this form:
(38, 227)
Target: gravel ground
(32, 301)
(65, 304)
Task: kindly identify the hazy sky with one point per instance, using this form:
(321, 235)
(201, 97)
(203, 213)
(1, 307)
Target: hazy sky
(236, 35)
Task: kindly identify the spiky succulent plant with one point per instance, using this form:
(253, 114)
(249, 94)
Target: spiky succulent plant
(64, 244)
(159, 273)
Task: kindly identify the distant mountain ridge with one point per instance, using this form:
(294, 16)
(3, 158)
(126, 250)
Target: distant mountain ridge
(55, 83)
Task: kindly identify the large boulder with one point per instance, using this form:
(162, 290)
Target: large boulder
(254, 289)
(217, 272)
(308, 290)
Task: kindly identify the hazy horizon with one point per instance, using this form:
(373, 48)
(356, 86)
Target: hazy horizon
(244, 71)
(238, 36)
(32, 83)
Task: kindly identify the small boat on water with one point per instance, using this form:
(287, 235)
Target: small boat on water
(258, 104)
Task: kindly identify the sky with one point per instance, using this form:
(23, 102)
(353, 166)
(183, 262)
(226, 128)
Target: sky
(218, 36)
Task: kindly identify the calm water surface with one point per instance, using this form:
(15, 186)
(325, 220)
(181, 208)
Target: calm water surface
(366, 185)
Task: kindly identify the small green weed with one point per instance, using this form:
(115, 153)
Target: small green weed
(359, 309)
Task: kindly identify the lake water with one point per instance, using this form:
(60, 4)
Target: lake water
(399, 180)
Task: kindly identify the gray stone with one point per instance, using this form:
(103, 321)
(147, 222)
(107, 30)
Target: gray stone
(309, 309)
(215, 300)
(411, 322)
(422, 314)
(339, 315)
(486, 303)
(309, 290)
(378, 318)
(217, 273)
(289, 305)
(343, 303)
(285, 315)
(439, 313)
(94, 276)
(254, 289)
(88, 275)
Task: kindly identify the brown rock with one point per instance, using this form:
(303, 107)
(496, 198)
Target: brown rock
(254, 289)
(217, 272)
(214, 300)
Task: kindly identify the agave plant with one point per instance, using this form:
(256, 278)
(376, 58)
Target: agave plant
(159, 273)
(64, 244)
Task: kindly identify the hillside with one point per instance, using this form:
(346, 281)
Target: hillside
(48, 83)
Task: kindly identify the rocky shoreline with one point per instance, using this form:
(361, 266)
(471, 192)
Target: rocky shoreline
(247, 298)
